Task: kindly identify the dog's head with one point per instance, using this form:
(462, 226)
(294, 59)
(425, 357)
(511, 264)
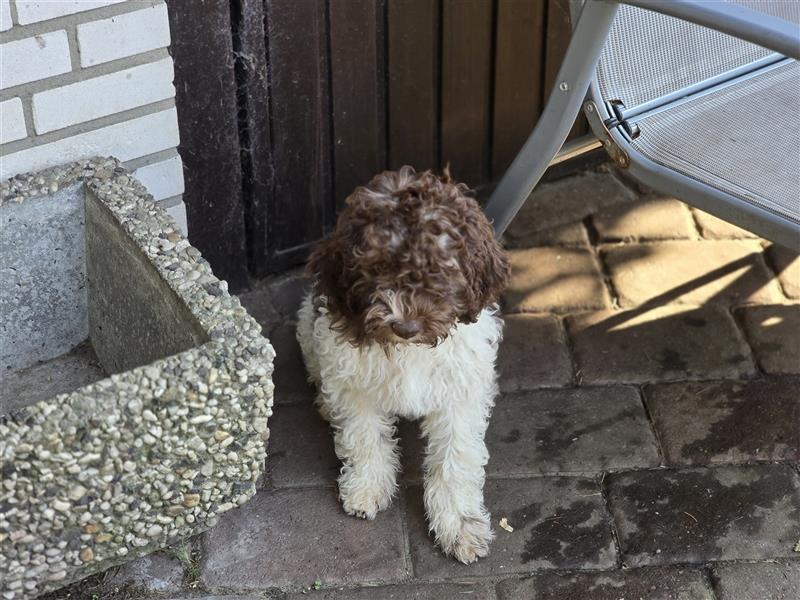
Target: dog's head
(411, 256)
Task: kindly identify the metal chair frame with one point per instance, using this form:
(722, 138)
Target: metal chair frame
(577, 87)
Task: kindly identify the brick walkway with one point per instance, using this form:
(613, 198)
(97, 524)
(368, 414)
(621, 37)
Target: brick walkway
(646, 444)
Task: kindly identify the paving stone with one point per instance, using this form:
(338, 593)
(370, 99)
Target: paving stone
(258, 303)
(300, 448)
(774, 334)
(727, 421)
(714, 228)
(157, 572)
(276, 299)
(578, 430)
(570, 199)
(288, 291)
(662, 344)
(269, 596)
(686, 272)
(411, 591)
(699, 515)
(779, 580)
(555, 279)
(571, 234)
(533, 353)
(786, 264)
(294, 537)
(653, 583)
(290, 376)
(653, 219)
(412, 450)
(559, 523)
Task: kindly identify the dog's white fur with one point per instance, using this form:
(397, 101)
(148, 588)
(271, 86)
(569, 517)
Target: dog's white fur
(451, 386)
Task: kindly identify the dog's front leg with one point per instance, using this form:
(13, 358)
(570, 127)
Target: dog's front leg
(365, 443)
(454, 476)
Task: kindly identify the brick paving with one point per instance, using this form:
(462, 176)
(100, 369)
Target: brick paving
(571, 234)
(559, 523)
(776, 580)
(291, 382)
(568, 200)
(723, 422)
(552, 279)
(666, 343)
(301, 448)
(713, 228)
(787, 265)
(701, 514)
(646, 443)
(545, 363)
(574, 430)
(727, 272)
(157, 572)
(413, 591)
(653, 219)
(648, 583)
(284, 537)
(773, 334)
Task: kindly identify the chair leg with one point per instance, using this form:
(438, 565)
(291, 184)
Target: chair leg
(574, 76)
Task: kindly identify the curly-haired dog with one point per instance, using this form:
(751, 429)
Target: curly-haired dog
(402, 321)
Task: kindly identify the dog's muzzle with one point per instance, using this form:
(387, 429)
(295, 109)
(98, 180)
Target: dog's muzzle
(406, 329)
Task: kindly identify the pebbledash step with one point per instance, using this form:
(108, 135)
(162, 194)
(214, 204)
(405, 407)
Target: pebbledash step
(135, 389)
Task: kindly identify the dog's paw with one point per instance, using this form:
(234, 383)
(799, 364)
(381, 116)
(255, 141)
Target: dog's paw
(472, 540)
(365, 504)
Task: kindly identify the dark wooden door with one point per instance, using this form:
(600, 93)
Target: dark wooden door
(287, 105)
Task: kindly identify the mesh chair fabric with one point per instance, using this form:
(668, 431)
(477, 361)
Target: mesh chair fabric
(649, 55)
(743, 139)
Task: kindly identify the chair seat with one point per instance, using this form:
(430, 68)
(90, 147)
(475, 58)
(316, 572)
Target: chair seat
(743, 139)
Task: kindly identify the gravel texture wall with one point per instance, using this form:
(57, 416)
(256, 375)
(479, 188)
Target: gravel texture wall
(123, 466)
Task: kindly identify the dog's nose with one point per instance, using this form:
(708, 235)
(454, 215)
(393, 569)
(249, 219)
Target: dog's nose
(407, 329)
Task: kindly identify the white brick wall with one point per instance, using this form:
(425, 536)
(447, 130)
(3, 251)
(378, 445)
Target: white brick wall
(178, 212)
(12, 121)
(104, 95)
(5, 15)
(80, 78)
(43, 10)
(164, 179)
(33, 58)
(124, 35)
(126, 141)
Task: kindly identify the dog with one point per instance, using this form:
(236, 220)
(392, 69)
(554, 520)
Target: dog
(402, 321)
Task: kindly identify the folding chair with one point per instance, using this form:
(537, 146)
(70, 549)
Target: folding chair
(697, 99)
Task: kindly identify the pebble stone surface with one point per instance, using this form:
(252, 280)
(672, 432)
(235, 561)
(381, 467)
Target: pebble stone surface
(120, 467)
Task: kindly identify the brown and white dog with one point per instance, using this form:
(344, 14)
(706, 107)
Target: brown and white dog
(402, 321)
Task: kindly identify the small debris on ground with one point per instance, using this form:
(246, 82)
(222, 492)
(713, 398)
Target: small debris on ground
(504, 524)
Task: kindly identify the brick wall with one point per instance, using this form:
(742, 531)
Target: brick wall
(80, 78)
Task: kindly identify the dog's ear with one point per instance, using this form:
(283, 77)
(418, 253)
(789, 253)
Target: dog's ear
(331, 267)
(326, 268)
(483, 262)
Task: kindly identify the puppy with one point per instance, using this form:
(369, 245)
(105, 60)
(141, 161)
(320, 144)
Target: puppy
(402, 321)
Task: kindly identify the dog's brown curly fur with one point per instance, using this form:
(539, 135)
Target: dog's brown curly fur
(408, 247)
